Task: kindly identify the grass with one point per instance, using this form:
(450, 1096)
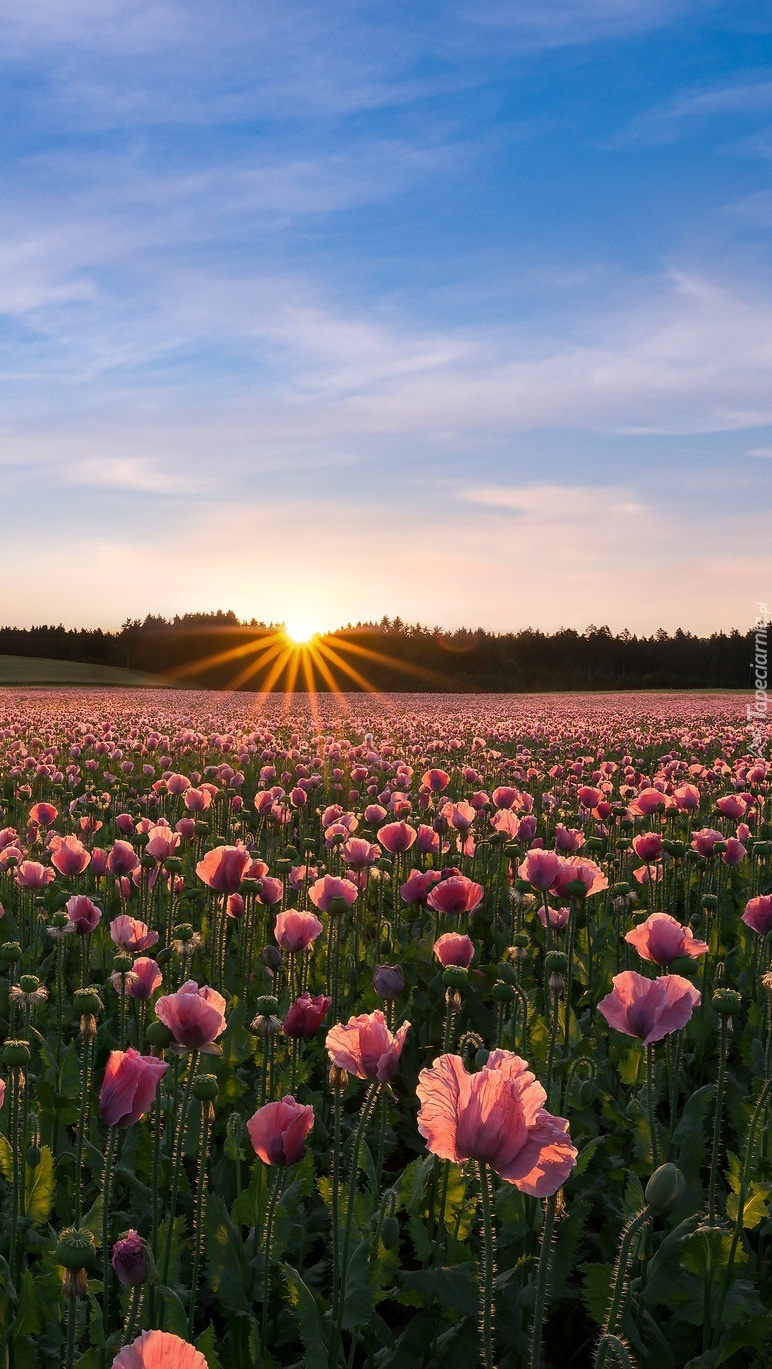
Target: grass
(35, 670)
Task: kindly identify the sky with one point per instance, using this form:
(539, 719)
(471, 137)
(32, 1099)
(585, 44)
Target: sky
(455, 311)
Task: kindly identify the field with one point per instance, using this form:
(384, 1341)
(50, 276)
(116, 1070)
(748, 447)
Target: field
(399, 1032)
(38, 670)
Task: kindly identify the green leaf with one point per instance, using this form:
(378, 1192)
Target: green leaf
(597, 1290)
(39, 1188)
(6, 1159)
(176, 1319)
(755, 1206)
(207, 1344)
(308, 1310)
(229, 1276)
(454, 1287)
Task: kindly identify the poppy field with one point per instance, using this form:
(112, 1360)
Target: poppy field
(397, 1032)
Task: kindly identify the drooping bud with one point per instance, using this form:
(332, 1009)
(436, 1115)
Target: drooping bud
(130, 1260)
(665, 1187)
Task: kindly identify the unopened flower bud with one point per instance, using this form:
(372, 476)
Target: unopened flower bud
(388, 981)
(337, 1079)
(665, 1187)
(130, 1260)
(272, 958)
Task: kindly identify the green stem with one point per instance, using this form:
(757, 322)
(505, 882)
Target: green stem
(69, 1353)
(107, 1179)
(626, 1246)
(179, 1146)
(487, 1312)
(542, 1281)
(337, 1312)
(750, 1146)
(650, 1105)
(86, 1062)
(207, 1118)
(278, 1184)
(720, 1083)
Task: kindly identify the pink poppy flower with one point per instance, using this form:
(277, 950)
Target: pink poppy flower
(198, 800)
(687, 798)
(195, 1016)
(435, 780)
(704, 840)
(578, 868)
(331, 893)
(732, 806)
(556, 918)
(271, 891)
(507, 822)
(459, 815)
(129, 1086)
(300, 875)
(496, 1116)
(504, 796)
(649, 1008)
(418, 885)
(143, 979)
(223, 867)
(162, 843)
(758, 914)
(455, 895)
(305, 1016)
(359, 853)
(294, 930)
(177, 784)
(365, 1047)
(83, 914)
(32, 875)
(43, 814)
(122, 859)
(453, 949)
(650, 801)
(649, 874)
(661, 939)
(278, 1131)
(540, 869)
(69, 855)
(159, 1350)
(396, 837)
(734, 853)
(131, 935)
(648, 846)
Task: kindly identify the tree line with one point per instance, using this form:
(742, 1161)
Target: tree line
(216, 650)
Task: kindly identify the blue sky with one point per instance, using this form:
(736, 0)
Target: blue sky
(456, 311)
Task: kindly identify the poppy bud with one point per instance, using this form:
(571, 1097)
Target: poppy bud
(390, 1233)
(130, 1260)
(388, 981)
(506, 971)
(481, 1058)
(665, 1187)
(272, 958)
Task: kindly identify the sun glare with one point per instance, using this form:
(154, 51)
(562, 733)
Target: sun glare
(299, 633)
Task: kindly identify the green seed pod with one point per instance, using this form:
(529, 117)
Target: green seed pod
(59, 920)
(267, 1005)
(521, 886)
(142, 839)
(10, 952)
(123, 962)
(28, 983)
(502, 992)
(620, 890)
(665, 1187)
(183, 932)
(291, 854)
(16, 1054)
(148, 862)
(338, 906)
(250, 886)
(556, 962)
(512, 850)
(455, 977)
(87, 1002)
(174, 865)
(282, 866)
(727, 1002)
(576, 888)
(710, 902)
(622, 844)
(75, 1248)
(481, 1058)
(158, 1035)
(520, 940)
(719, 847)
(206, 1088)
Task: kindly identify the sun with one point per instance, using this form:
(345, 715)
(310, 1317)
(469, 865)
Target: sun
(300, 632)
